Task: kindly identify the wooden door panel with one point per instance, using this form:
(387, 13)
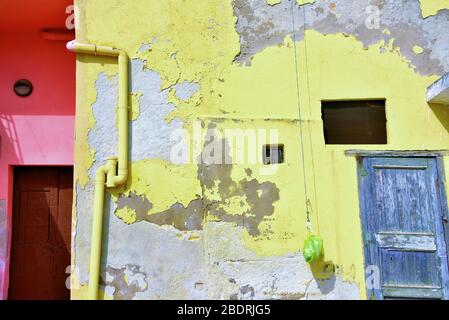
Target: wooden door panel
(415, 268)
(34, 218)
(61, 257)
(64, 213)
(41, 233)
(62, 234)
(33, 271)
(402, 225)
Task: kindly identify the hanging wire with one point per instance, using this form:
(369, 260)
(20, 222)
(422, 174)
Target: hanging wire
(306, 200)
(310, 116)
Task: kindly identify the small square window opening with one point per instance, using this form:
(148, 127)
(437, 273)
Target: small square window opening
(273, 154)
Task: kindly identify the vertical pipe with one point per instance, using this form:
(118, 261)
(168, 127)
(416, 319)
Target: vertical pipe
(123, 118)
(97, 228)
(108, 175)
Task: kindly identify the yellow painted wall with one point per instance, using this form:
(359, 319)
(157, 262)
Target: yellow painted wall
(263, 95)
(431, 7)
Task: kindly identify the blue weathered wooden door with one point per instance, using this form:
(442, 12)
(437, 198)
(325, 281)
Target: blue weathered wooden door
(404, 222)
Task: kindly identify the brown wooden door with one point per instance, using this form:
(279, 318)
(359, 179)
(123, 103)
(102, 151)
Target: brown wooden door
(42, 214)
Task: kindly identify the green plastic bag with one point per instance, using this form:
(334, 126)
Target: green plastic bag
(313, 248)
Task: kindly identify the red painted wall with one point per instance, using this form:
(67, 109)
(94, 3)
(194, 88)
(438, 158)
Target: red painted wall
(36, 130)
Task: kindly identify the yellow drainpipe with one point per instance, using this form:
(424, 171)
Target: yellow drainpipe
(115, 172)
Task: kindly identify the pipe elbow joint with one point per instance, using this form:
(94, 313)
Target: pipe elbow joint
(120, 179)
(110, 174)
(100, 177)
(122, 55)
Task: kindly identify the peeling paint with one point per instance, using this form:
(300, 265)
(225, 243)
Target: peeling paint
(126, 281)
(182, 218)
(186, 90)
(148, 246)
(228, 231)
(216, 180)
(260, 27)
(432, 7)
(418, 50)
(273, 2)
(237, 273)
(134, 105)
(139, 204)
(259, 199)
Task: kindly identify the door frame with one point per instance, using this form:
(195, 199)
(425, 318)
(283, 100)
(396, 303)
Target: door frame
(441, 196)
(10, 217)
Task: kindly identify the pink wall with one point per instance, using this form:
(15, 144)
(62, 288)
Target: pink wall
(36, 130)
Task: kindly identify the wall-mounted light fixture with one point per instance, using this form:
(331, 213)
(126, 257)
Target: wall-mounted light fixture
(23, 88)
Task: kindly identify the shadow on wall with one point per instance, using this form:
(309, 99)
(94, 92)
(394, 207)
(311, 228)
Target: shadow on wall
(324, 274)
(8, 141)
(8, 131)
(442, 113)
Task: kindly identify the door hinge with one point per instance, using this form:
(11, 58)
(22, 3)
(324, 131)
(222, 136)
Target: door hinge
(368, 238)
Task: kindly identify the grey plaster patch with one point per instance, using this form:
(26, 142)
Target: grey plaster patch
(186, 90)
(188, 218)
(244, 293)
(150, 133)
(261, 25)
(139, 203)
(183, 218)
(235, 272)
(103, 136)
(83, 230)
(260, 197)
(174, 266)
(126, 281)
